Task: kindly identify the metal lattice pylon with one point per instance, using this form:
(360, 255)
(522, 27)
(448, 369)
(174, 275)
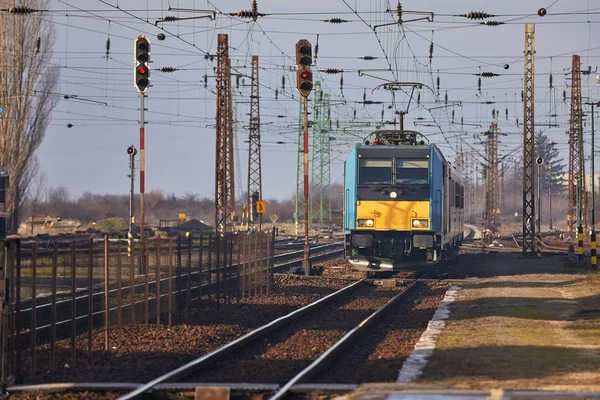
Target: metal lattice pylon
(224, 176)
(320, 206)
(493, 176)
(326, 162)
(299, 210)
(254, 162)
(529, 234)
(317, 131)
(575, 152)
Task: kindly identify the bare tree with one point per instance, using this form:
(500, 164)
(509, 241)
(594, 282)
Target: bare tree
(27, 87)
(36, 195)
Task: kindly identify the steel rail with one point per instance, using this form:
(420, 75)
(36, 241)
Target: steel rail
(334, 350)
(237, 343)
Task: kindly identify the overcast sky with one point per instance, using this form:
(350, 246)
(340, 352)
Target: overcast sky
(180, 147)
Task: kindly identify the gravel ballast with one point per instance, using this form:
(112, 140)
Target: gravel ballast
(138, 354)
(277, 357)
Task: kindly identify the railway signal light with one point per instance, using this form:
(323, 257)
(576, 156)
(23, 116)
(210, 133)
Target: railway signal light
(303, 53)
(142, 59)
(304, 76)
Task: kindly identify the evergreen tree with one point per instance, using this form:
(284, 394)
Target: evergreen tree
(546, 148)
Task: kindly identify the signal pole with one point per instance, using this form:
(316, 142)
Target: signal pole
(306, 258)
(142, 178)
(304, 84)
(132, 151)
(142, 81)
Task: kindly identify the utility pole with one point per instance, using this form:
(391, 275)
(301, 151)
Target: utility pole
(224, 179)
(254, 161)
(530, 247)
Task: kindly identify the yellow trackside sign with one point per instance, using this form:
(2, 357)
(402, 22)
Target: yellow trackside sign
(261, 207)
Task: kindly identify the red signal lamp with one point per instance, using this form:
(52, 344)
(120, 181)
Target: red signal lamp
(142, 70)
(304, 75)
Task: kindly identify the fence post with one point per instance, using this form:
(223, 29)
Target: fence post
(178, 284)
(157, 285)
(17, 260)
(106, 294)
(170, 290)
(132, 282)
(119, 284)
(53, 322)
(33, 307)
(90, 296)
(210, 263)
(73, 301)
(189, 274)
(144, 267)
(4, 314)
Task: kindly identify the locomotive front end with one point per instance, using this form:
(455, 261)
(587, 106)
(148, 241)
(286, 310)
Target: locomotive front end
(392, 206)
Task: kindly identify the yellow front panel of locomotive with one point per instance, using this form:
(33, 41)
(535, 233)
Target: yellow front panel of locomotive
(392, 215)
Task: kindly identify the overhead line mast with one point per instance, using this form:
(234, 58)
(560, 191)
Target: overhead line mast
(575, 154)
(530, 247)
(254, 161)
(224, 178)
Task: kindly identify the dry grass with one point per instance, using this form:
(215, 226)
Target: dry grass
(522, 331)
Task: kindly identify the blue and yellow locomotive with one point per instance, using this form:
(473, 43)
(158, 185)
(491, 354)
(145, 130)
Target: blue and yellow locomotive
(402, 204)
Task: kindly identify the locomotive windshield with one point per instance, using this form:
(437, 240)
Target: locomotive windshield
(375, 171)
(412, 172)
(398, 171)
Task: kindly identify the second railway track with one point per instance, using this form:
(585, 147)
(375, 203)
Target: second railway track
(292, 350)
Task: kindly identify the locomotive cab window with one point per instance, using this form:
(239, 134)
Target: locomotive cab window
(375, 171)
(412, 172)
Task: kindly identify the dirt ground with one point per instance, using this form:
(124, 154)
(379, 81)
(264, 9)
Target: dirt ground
(521, 324)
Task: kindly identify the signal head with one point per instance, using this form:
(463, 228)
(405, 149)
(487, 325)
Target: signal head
(131, 150)
(142, 58)
(303, 53)
(539, 160)
(304, 79)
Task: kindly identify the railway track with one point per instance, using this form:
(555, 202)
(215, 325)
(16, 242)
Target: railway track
(328, 326)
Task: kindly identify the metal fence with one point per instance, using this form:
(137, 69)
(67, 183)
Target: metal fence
(69, 290)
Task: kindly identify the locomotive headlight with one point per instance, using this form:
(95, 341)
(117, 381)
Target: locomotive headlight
(365, 222)
(420, 223)
(393, 194)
